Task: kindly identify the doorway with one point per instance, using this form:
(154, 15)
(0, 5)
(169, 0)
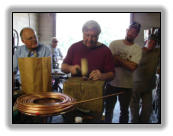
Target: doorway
(69, 27)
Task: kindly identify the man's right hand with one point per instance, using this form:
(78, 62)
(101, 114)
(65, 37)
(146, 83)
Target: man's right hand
(73, 69)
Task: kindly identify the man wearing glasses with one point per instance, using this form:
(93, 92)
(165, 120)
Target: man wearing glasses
(98, 55)
(55, 53)
(31, 47)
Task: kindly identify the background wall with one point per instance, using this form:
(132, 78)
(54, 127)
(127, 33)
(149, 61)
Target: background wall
(47, 27)
(147, 20)
(21, 20)
(45, 24)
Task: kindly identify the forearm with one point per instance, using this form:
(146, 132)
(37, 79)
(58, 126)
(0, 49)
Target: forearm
(107, 76)
(126, 63)
(73, 69)
(66, 68)
(129, 65)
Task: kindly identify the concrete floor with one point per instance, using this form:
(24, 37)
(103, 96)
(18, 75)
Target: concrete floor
(59, 119)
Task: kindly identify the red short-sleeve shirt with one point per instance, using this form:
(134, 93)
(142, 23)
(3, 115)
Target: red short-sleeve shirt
(99, 57)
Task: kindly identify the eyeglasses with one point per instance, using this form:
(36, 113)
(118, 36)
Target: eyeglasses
(55, 41)
(31, 38)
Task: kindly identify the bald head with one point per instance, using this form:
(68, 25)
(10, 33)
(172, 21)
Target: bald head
(29, 38)
(54, 42)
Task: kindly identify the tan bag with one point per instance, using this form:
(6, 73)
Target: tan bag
(80, 89)
(35, 74)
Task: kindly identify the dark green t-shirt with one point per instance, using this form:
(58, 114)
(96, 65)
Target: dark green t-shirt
(148, 66)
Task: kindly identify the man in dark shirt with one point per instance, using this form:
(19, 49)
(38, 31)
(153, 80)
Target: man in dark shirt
(99, 57)
(145, 80)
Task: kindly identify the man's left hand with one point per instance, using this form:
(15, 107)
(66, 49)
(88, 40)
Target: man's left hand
(95, 75)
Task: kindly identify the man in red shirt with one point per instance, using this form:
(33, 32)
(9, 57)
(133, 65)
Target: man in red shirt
(99, 57)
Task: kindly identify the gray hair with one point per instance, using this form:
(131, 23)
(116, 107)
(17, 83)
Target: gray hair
(91, 25)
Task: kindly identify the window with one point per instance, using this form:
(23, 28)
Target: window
(69, 27)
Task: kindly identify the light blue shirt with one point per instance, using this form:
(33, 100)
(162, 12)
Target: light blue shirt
(56, 53)
(23, 51)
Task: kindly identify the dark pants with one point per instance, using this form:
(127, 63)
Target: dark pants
(124, 100)
(141, 91)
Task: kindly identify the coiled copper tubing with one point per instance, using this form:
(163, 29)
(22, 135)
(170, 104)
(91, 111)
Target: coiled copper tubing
(47, 103)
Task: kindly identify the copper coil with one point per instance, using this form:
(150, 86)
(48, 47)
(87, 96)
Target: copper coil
(28, 103)
(47, 103)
